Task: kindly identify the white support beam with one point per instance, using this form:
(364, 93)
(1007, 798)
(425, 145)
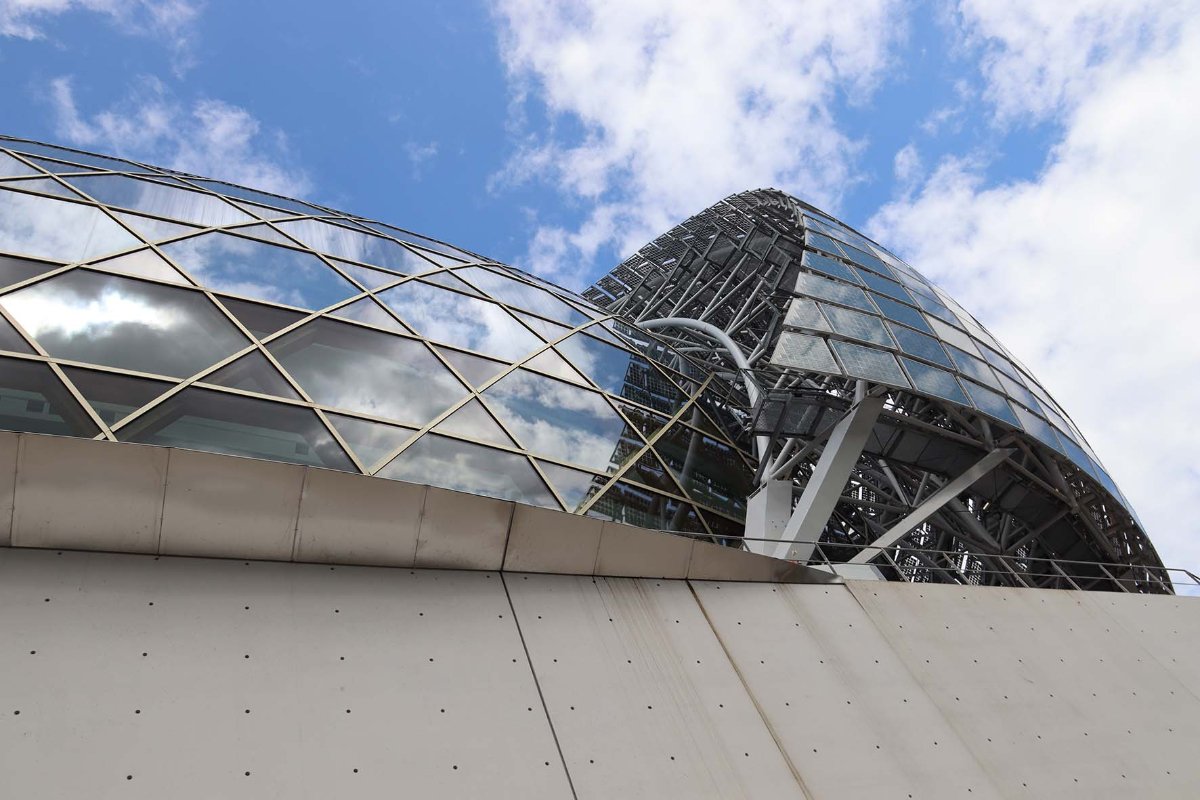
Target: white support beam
(934, 503)
(829, 478)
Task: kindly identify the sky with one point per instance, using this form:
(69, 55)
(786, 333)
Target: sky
(1038, 160)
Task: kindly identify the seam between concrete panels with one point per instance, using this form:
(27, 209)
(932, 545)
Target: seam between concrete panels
(746, 688)
(296, 519)
(412, 562)
(162, 505)
(538, 685)
(996, 785)
(12, 512)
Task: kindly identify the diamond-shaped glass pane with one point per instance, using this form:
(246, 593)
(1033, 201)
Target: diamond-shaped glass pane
(218, 422)
(344, 366)
(371, 441)
(42, 227)
(354, 245)
(161, 200)
(474, 422)
(521, 295)
(465, 467)
(558, 419)
(458, 320)
(261, 271)
(114, 397)
(253, 373)
(32, 398)
(125, 323)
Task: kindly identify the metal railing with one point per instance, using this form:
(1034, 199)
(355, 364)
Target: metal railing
(904, 562)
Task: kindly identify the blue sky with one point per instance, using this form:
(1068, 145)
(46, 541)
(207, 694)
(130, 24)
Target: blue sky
(1036, 159)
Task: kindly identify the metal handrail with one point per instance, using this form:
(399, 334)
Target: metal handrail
(973, 568)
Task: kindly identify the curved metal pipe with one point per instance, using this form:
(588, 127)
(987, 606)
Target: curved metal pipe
(712, 331)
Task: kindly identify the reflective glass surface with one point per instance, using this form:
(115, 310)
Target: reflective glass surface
(253, 373)
(473, 468)
(11, 340)
(354, 245)
(557, 419)
(344, 366)
(711, 471)
(15, 270)
(458, 320)
(574, 486)
(143, 264)
(203, 419)
(260, 271)
(161, 200)
(634, 505)
(32, 398)
(125, 323)
(114, 397)
(473, 422)
(371, 441)
(368, 311)
(521, 295)
(921, 346)
(42, 227)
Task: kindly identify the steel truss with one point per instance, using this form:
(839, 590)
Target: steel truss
(735, 266)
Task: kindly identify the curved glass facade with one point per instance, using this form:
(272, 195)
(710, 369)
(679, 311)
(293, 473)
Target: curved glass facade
(142, 305)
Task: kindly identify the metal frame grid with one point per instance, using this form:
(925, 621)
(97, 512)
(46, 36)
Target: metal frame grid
(773, 273)
(89, 244)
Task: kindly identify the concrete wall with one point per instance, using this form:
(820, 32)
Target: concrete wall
(127, 676)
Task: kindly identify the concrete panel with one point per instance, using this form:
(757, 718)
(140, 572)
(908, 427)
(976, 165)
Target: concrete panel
(1053, 697)
(9, 443)
(143, 678)
(1168, 627)
(462, 531)
(542, 540)
(626, 551)
(79, 493)
(712, 562)
(843, 707)
(230, 507)
(355, 519)
(642, 698)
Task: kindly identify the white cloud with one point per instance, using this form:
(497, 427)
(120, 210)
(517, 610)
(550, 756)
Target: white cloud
(419, 155)
(169, 21)
(1089, 272)
(208, 137)
(672, 105)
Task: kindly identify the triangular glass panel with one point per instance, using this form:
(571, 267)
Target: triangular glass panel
(15, 270)
(160, 199)
(370, 441)
(42, 186)
(263, 232)
(11, 340)
(153, 230)
(547, 330)
(35, 400)
(370, 278)
(260, 320)
(473, 422)
(646, 422)
(101, 162)
(448, 280)
(368, 311)
(253, 373)
(143, 263)
(12, 168)
(473, 468)
(260, 271)
(649, 471)
(573, 486)
(113, 396)
(476, 370)
(552, 363)
(438, 258)
(263, 211)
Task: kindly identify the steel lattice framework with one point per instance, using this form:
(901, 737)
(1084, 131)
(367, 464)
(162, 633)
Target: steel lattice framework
(961, 450)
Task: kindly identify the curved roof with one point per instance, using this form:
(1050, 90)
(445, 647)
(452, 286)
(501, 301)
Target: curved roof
(820, 307)
(143, 305)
